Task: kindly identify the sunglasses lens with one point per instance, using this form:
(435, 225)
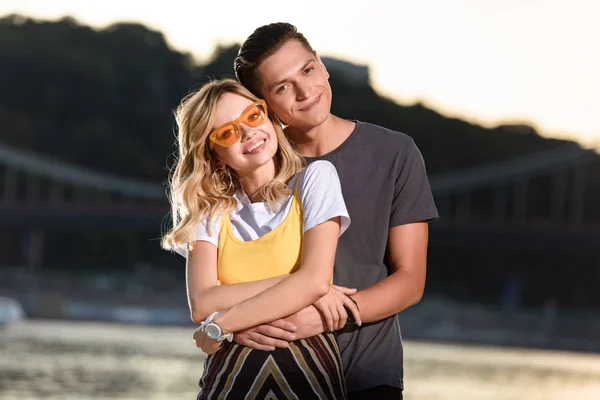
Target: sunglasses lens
(254, 116)
(227, 136)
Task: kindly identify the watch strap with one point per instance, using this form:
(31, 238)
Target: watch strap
(208, 320)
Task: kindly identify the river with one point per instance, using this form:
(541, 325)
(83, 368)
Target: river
(43, 359)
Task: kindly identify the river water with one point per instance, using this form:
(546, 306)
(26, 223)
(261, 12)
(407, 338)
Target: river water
(74, 360)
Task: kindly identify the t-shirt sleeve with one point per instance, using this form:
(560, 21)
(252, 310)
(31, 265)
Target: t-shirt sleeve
(202, 234)
(321, 196)
(412, 201)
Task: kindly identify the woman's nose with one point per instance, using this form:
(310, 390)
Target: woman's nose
(247, 132)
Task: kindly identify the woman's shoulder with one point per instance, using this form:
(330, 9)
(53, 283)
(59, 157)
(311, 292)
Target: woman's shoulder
(320, 165)
(321, 195)
(317, 177)
(318, 170)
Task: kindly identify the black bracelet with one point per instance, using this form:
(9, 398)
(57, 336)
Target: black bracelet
(350, 319)
(354, 301)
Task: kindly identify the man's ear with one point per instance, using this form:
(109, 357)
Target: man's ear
(323, 67)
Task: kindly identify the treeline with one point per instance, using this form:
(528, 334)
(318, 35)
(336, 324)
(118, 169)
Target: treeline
(104, 99)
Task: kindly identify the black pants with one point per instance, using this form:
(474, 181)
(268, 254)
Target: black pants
(377, 393)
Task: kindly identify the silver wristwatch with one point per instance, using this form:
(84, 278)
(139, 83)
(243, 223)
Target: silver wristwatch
(213, 331)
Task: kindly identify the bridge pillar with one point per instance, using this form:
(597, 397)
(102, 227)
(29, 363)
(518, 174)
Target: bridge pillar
(521, 200)
(56, 193)
(500, 203)
(559, 188)
(10, 186)
(33, 248)
(33, 188)
(464, 206)
(576, 215)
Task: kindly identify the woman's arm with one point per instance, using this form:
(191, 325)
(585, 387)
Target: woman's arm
(204, 295)
(303, 288)
(324, 218)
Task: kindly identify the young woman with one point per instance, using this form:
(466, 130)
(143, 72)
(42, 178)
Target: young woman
(259, 232)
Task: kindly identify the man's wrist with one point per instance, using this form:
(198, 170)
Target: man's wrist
(350, 321)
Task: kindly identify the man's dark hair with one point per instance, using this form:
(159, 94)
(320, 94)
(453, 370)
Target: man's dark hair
(260, 45)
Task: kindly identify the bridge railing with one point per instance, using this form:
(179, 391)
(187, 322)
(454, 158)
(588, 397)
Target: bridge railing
(515, 193)
(63, 175)
(506, 190)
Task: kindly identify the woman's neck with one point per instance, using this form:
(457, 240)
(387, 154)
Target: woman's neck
(253, 181)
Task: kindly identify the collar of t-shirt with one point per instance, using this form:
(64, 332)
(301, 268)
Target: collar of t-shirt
(244, 201)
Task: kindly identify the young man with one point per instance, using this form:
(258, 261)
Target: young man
(385, 187)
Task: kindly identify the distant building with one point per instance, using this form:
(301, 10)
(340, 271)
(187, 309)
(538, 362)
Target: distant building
(354, 74)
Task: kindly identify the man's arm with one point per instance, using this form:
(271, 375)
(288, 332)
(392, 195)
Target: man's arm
(412, 207)
(404, 287)
(401, 289)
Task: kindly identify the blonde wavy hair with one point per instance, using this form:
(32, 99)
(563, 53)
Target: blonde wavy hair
(198, 188)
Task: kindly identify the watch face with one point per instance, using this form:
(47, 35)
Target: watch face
(212, 331)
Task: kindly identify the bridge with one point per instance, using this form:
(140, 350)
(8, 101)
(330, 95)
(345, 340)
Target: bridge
(498, 204)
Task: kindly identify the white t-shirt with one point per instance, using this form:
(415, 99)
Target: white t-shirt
(320, 194)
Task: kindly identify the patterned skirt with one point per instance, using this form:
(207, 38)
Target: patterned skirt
(308, 369)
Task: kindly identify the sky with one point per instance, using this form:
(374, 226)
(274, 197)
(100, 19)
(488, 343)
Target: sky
(487, 61)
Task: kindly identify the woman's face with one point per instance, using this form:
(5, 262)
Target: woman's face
(257, 145)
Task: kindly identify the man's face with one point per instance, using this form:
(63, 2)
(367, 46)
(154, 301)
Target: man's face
(295, 85)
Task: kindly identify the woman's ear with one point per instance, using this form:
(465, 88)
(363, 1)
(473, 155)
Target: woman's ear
(220, 164)
(217, 161)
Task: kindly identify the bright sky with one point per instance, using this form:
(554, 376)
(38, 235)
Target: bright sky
(490, 61)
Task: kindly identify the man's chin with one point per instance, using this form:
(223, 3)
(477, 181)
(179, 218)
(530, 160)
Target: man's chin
(313, 122)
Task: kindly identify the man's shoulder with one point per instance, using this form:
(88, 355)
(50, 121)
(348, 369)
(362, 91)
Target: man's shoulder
(382, 136)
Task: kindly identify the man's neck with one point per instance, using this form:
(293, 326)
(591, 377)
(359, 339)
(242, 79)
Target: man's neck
(321, 139)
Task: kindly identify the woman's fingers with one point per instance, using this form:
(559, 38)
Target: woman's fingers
(207, 345)
(345, 290)
(335, 316)
(326, 312)
(343, 316)
(211, 348)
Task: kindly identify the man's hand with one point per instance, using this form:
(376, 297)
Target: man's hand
(208, 345)
(267, 337)
(309, 321)
(331, 307)
(301, 325)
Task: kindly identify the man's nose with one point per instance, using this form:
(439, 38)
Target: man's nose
(303, 91)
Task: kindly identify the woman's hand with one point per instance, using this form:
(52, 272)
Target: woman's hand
(331, 307)
(206, 344)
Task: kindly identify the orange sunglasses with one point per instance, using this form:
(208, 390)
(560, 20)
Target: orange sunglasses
(229, 134)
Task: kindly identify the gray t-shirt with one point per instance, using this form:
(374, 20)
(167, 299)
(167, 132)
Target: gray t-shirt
(384, 184)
